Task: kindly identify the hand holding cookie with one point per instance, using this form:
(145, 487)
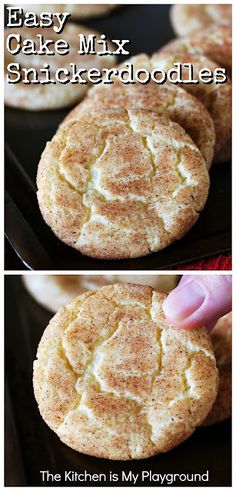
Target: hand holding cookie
(115, 380)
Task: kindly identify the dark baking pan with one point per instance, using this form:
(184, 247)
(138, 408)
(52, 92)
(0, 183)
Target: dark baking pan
(148, 28)
(32, 447)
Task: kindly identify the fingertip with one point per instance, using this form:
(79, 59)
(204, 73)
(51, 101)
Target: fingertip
(182, 302)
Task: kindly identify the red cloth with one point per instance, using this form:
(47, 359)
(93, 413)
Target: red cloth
(222, 262)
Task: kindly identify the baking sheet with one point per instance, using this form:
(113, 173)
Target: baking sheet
(26, 133)
(31, 446)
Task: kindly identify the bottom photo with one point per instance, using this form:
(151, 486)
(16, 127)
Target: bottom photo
(118, 380)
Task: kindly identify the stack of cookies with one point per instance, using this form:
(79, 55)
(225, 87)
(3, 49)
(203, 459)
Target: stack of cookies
(125, 175)
(207, 41)
(127, 172)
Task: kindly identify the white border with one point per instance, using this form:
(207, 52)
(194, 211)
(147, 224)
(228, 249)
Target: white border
(146, 272)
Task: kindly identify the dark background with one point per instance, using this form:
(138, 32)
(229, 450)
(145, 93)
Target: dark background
(30, 242)
(31, 446)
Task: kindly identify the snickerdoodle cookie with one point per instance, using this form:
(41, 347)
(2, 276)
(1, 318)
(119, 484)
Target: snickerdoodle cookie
(113, 379)
(215, 43)
(38, 96)
(77, 11)
(217, 98)
(197, 17)
(222, 343)
(121, 183)
(55, 291)
(167, 99)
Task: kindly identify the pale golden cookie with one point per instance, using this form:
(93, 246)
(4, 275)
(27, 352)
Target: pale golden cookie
(121, 184)
(167, 99)
(215, 97)
(215, 43)
(55, 291)
(197, 17)
(222, 343)
(38, 97)
(113, 379)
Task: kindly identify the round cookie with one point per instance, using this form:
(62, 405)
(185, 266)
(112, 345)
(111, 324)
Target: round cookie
(38, 97)
(167, 99)
(77, 11)
(215, 97)
(222, 343)
(114, 380)
(55, 291)
(186, 18)
(121, 183)
(215, 43)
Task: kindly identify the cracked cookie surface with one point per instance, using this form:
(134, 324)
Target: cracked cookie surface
(222, 343)
(168, 99)
(186, 19)
(121, 183)
(217, 98)
(53, 95)
(215, 43)
(113, 379)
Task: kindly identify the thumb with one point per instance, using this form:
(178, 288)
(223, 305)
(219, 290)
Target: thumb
(199, 301)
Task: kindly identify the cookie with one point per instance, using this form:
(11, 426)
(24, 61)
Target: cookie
(215, 43)
(167, 99)
(164, 283)
(222, 343)
(38, 97)
(55, 291)
(215, 97)
(121, 183)
(114, 380)
(82, 11)
(186, 19)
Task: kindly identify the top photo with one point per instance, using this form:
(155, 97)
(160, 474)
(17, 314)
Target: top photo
(118, 136)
